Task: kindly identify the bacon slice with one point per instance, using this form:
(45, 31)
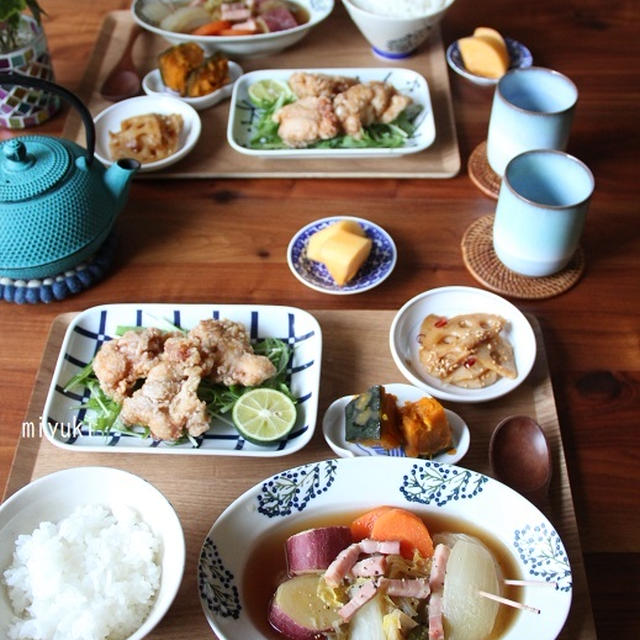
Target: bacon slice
(436, 582)
(234, 11)
(387, 547)
(370, 567)
(409, 587)
(436, 630)
(363, 594)
(343, 563)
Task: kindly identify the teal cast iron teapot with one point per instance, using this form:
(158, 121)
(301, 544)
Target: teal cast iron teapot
(57, 204)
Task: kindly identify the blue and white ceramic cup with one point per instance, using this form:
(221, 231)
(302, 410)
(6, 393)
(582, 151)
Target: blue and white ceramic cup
(542, 205)
(532, 109)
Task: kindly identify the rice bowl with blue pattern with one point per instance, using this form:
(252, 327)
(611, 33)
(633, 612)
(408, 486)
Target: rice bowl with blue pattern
(376, 269)
(335, 491)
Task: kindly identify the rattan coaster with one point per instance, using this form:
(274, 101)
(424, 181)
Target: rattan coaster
(483, 264)
(481, 174)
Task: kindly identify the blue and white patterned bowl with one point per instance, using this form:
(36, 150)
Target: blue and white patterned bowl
(63, 418)
(376, 269)
(520, 58)
(299, 496)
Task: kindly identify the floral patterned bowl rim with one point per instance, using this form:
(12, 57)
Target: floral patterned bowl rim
(376, 269)
(349, 485)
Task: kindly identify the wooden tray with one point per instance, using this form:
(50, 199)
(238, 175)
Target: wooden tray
(205, 486)
(334, 43)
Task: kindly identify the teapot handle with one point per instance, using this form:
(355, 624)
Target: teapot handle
(37, 83)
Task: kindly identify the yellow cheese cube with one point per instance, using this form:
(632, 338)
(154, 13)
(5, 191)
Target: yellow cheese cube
(483, 57)
(493, 35)
(318, 239)
(344, 254)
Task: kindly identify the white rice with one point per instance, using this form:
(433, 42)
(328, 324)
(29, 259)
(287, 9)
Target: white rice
(92, 576)
(401, 8)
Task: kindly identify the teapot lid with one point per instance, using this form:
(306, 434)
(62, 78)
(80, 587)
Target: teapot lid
(31, 165)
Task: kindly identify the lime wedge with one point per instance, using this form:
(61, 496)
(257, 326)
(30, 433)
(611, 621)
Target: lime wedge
(263, 416)
(265, 93)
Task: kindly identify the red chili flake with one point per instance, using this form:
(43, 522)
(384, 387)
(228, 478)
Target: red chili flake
(440, 323)
(470, 361)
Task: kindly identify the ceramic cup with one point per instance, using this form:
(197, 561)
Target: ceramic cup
(532, 109)
(542, 205)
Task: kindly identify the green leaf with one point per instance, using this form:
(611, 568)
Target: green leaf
(11, 8)
(36, 10)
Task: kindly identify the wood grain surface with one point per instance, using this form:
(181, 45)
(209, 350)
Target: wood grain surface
(224, 241)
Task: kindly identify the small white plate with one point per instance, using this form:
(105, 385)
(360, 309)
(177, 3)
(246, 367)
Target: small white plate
(376, 269)
(333, 428)
(451, 301)
(153, 86)
(110, 119)
(519, 58)
(243, 114)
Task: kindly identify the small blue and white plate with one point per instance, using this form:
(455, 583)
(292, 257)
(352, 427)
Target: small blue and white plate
(376, 269)
(333, 429)
(519, 55)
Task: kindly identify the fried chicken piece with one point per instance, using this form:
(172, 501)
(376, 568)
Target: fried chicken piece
(229, 357)
(306, 121)
(306, 85)
(121, 362)
(363, 104)
(168, 402)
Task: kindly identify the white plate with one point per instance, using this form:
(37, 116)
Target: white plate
(294, 499)
(377, 267)
(245, 46)
(242, 114)
(153, 86)
(333, 428)
(110, 119)
(451, 301)
(62, 420)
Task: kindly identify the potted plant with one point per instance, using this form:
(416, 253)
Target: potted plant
(23, 49)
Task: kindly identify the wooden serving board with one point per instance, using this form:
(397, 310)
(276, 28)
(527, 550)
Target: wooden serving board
(336, 42)
(201, 487)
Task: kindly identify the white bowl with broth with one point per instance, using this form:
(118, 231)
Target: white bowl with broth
(242, 558)
(451, 301)
(309, 13)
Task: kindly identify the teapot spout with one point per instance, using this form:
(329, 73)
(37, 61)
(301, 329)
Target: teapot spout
(118, 177)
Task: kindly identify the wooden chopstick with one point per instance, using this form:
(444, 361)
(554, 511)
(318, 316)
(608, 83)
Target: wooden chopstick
(510, 603)
(531, 583)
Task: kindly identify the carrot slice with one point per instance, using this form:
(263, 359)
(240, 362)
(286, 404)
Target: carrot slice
(361, 527)
(237, 32)
(212, 28)
(409, 529)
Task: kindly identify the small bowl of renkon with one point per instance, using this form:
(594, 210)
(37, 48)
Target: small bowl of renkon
(111, 118)
(150, 15)
(152, 85)
(404, 340)
(89, 539)
(396, 29)
(519, 58)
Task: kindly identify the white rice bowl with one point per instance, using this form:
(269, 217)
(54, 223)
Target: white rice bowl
(87, 552)
(401, 8)
(94, 574)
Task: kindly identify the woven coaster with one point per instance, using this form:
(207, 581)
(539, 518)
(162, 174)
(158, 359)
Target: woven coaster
(481, 174)
(61, 285)
(483, 264)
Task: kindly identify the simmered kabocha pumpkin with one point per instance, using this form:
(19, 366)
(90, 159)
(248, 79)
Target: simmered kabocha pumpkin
(209, 76)
(372, 418)
(176, 63)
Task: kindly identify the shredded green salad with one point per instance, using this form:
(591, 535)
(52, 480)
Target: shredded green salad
(388, 136)
(103, 411)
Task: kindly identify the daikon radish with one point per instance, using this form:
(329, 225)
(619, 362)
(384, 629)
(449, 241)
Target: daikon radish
(366, 623)
(467, 615)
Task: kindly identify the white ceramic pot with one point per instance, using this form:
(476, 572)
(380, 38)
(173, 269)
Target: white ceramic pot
(22, 107)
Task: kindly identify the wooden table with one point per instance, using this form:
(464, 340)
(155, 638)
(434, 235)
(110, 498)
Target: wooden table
(224, 241)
